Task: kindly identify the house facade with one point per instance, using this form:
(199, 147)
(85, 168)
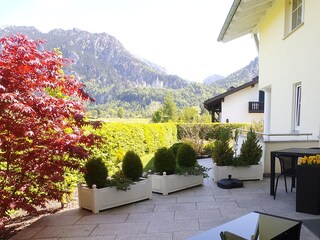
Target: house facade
(238, 104)
(287, 38)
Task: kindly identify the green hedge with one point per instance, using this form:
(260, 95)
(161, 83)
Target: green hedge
(206, 130)
(118, 138)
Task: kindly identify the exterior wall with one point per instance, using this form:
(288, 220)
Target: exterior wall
(235, 106)
(269, 146)
(289, 59)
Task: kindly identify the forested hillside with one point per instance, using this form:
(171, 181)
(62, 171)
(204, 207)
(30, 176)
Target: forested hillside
(116, 79)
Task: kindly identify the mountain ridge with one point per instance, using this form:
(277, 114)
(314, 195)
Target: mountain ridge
(116, 78)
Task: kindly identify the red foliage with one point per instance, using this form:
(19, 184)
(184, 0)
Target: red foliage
(41, 119)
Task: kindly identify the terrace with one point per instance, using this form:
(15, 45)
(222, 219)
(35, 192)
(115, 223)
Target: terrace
(179, 215)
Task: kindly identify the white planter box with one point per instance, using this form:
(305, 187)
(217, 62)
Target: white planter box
(251, 172)
(166, 184)
(99, 199)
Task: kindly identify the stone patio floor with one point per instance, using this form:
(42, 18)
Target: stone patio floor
(177, 216)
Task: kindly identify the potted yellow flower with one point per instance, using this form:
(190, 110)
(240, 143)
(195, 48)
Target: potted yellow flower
(308, 185)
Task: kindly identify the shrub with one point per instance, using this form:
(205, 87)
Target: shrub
(222, 152)
(186, 156)
(95, 173)
(132, 166)
(174, 149)
(207, 148)
(250, 151)
(164, 161)
(120, 181)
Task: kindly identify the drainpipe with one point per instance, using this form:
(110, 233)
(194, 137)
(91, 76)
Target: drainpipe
(256, 39)
(267, 112)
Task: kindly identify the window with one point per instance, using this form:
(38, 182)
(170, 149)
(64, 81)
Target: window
(296, 13)
(297, 106)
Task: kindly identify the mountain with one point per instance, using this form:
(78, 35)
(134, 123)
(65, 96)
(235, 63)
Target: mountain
(211, 79)
(115, 78)
(241, 76)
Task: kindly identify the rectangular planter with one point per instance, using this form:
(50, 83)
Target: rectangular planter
(166, 184)
(252, 172)
(104, 198)
(308, 189)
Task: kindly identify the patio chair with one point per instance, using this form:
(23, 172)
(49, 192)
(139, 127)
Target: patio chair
(288, 169)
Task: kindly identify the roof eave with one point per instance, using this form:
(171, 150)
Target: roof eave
(228, 20)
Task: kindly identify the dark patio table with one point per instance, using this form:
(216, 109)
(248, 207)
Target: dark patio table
(290, 152)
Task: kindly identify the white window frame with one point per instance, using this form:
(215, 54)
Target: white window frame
(297, 7)
(294, 16)
(297, 107)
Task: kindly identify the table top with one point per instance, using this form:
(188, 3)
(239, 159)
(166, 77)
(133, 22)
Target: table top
(298, 151)
(246, 227)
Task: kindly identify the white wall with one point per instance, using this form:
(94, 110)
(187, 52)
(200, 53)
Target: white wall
(287, 60)
(235, 106)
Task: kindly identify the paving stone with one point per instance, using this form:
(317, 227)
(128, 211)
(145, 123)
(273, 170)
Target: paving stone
(159, 199)
(197, 214)
(217, 205)
(175, 207)
(151, 236)
(105, 218)
(131, 208)
(77, 212)
(56, 220)
(65, 231)
(184, 193)
(207, 223)
(120, 228)
(238, 212)
(82, 238)
(195, 199)
(27, 233)
(184, 235)
(176, 226)
(154, 216)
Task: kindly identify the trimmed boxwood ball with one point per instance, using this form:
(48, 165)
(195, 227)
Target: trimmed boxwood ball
(132, 166)
(174, 149)
(96, 173)
(164, 161)
(186, 156)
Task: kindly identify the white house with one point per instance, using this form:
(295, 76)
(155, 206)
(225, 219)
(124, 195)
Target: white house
(287, 36)
(238, 104)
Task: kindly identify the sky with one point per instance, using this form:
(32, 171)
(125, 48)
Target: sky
(179, 35)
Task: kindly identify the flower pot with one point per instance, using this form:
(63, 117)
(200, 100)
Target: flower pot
(251, 172)
(104, 198)
(166, 184)
(308, 189)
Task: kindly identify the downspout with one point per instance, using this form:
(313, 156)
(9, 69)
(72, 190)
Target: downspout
(256, 39)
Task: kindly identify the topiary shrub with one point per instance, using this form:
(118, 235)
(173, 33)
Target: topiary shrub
(174, 149)
(132, 166)
(164, 161)
(250, 151)
(222, 152)
(95, 173)
(186, 156)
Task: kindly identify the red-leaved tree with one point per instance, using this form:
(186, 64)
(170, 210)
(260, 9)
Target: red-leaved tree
(41, 119)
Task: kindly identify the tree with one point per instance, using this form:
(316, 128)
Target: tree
(190, 115)
(120, 112)
(169, 109)
(41, 119)
(157, 116)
